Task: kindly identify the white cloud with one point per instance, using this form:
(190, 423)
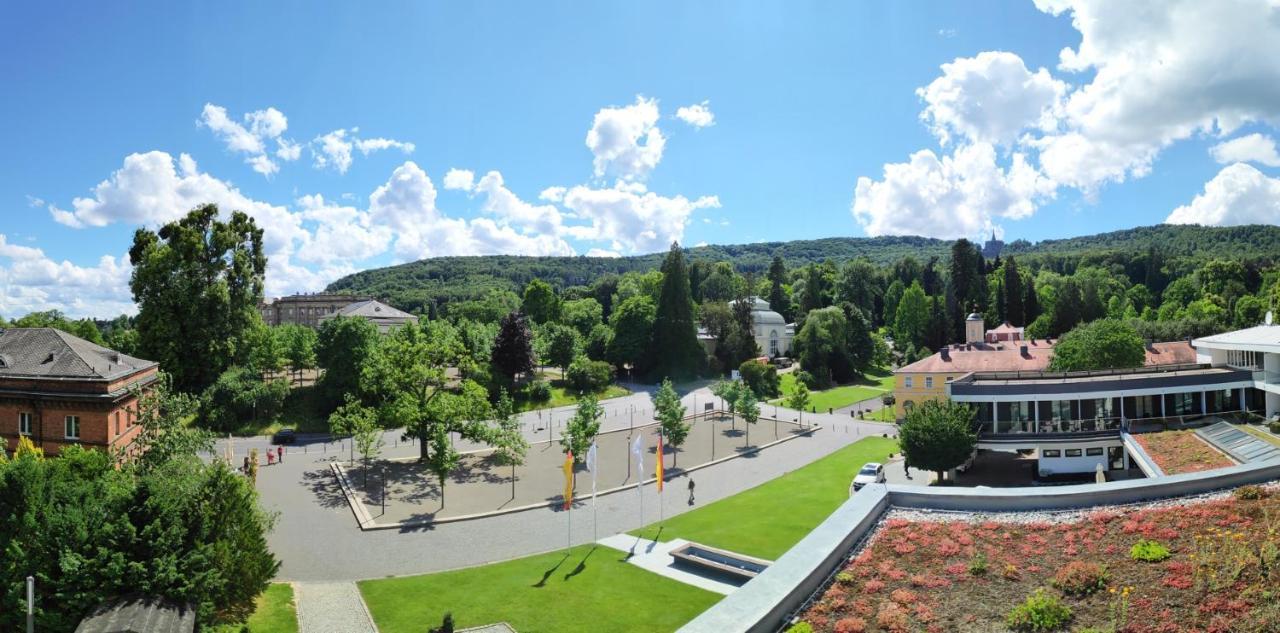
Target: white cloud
(990, 98)
(459, 179)
(552, 194)
(626, 141)
(369, 146)
(1239, 194)
(600, 252)
(260, 126)
(333, 150)
(698, 115)
(31, 281)
(501, 202)
(959, 195)
(631, 218)
(342, 234)
(1162, 73)
(1254, 147)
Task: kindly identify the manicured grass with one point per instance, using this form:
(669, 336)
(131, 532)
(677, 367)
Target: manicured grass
(1260, 434)
(560, 397)
(275, 612)
(873, 385)
(767, 520)
(586, 589)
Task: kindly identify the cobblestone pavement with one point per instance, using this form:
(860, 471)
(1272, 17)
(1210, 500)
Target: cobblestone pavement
(331, 607)
(317, 539)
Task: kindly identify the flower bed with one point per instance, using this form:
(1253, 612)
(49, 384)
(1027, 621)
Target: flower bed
(1182, 452)
(1222, 572)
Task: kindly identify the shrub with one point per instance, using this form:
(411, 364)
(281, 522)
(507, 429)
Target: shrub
(586, 375)
(1039, 612)
(978, 565)
(1274, 427)
(1149, 551)
(1080, 578)
(851, 625)
(1250, 493)
(538, 391)
(800, 627)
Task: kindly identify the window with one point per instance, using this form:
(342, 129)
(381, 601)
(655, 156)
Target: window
(1051, 453)
(24, 423)
(906, 382)
(1093, 452)
(1073, 452)
(928, 382)
(72, 427)
(117, 422)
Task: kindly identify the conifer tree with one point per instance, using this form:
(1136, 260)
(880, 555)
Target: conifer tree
(675, 351)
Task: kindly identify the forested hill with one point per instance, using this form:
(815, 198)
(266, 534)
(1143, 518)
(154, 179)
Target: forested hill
(441, 280)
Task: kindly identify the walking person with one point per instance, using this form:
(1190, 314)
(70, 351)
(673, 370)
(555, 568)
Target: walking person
(280, 454)
(691, 491)
(906, 467)
(246, 466)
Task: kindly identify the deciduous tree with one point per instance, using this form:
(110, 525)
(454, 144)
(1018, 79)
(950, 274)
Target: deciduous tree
(937, 435)
(670, 413)
(1101, 344)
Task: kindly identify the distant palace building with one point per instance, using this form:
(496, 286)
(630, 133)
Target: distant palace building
(375, 312)
(992, 248)
(306, 309)
(60, 390)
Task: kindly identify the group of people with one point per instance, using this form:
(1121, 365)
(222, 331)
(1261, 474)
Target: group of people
(273, 456)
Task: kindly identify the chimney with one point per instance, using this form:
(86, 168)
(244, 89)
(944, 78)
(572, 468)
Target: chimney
(1024, 351)
(946, 353)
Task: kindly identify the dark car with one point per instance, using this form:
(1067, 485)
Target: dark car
(284, 436)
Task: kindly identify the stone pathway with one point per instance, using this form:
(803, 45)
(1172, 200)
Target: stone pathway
(331, 607)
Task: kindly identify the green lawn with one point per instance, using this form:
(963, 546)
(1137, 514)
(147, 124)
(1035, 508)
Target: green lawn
(563, 397)
(275, 613)
(874, 384)
(586, 589)
(767, 520)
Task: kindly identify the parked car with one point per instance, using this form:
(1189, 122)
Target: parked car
(871, 473)
(284, 436)
(782, 362)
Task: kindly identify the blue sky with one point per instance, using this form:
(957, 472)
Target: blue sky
(815, 120)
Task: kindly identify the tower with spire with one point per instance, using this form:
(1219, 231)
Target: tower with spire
(992, 248)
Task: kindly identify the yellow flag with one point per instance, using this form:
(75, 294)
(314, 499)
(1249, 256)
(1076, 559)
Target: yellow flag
(660, 462)
(568, 480)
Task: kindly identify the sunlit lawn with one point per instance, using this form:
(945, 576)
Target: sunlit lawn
(873, 385)
(560, 397)
(767, 520)
(275, 613)
(583, 589)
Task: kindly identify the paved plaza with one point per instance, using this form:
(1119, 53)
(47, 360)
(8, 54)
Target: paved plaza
(482, 485)
(317, 539)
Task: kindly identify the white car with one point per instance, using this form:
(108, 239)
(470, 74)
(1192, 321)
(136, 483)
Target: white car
(871, 473)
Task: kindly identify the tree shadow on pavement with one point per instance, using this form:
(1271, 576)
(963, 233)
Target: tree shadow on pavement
(324, 486)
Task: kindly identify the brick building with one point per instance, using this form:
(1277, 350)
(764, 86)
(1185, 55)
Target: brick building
(305, 309)
(58, 390)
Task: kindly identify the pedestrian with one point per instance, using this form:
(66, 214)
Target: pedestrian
(271, 457)
(280, 454)
(246, 465)
(906, 467)
(691, 491)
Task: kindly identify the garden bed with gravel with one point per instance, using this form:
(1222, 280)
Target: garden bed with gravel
(1177, 452)
(1208, 563)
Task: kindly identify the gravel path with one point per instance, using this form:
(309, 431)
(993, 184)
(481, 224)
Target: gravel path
(331, 607)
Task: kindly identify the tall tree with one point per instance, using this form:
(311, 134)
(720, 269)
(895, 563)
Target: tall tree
(749, 408)
(675, 352)
(858, 285)
(1101, 344)
(822, 346)
(197, 283)
(912, 319)
(582, 428)
(513, 348)
(540, 302)
(670, 413)
(632, 323)
(299, 342)
(1013, 309)
(1030, 302)
(343, 345)
(1068, 308)
(407, 379)
(778, 300)
(892, 296)
(563, 345)
(815, 290)
(967, 279)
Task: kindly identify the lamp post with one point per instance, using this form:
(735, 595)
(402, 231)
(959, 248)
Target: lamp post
(31, 604)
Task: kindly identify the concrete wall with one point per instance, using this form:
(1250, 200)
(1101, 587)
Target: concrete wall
(766, 602)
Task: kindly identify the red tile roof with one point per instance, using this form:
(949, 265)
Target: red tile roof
(1008, 356)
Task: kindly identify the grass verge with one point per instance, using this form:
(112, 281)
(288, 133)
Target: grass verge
(767, 520)
(587, 588)
(274, 613)
(873, 385)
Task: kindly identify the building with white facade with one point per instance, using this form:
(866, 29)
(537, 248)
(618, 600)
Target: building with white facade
(772, 332)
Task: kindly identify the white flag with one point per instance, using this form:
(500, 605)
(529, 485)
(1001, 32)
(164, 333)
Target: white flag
(637, 449)
(591, 466)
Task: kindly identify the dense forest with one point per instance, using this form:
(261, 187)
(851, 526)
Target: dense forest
(429, 285)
